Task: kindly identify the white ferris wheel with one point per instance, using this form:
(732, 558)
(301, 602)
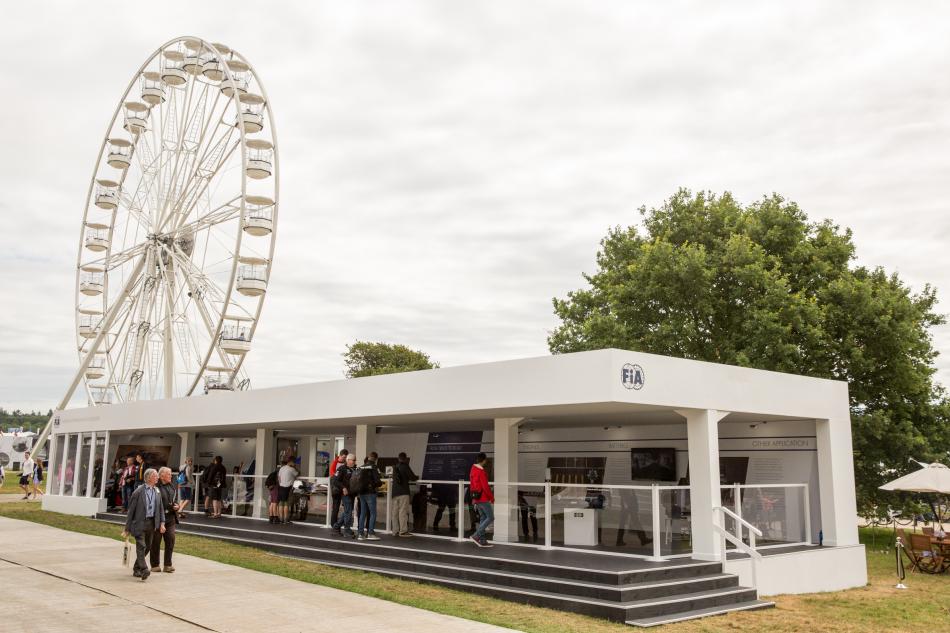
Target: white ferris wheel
(178, 230)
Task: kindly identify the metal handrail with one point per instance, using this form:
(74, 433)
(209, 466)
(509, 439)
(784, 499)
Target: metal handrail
(748, 548)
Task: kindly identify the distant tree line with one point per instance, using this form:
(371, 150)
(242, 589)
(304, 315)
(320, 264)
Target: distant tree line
(29, 421)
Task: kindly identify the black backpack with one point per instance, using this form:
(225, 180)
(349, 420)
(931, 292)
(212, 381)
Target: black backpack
(271, 480)
(359, 481)
(399, 477)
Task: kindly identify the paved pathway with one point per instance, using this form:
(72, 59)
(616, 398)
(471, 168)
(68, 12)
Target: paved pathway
(73, 583)
(10, 498)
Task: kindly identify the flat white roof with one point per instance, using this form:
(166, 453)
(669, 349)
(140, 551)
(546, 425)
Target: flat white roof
(560, 390)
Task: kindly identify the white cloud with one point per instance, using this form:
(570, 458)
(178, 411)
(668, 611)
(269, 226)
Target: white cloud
(448, 168)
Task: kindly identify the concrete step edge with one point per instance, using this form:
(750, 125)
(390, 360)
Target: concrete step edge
(752, 605)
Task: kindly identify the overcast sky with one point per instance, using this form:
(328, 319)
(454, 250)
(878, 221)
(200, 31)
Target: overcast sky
(448, 167)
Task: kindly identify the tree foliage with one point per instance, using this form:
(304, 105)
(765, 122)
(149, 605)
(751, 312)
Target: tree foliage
(363, 358)
(28, 421)
(761, 286)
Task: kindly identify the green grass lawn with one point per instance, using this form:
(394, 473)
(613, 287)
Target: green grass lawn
(11, 484)
(878, 607)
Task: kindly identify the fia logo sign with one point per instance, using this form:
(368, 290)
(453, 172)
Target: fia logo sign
(632, 376)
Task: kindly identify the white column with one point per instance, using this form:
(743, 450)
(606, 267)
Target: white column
(836, 481)
(702, 431)
(106, 467)
(263, 465)
(51, 465)
(365, 434)
(189, 445)
(92, 465)
(311, 445)
(62, 465)
(76, 465)
(505, 466)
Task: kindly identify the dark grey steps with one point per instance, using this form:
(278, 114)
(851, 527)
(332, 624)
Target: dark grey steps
(655, 607)
(614, 593)
(467, 555)
(613, 587)
(751, 605)
(618, 611)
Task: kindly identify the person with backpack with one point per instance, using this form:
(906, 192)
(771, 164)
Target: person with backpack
(364, 482)
(186, 476)
(341, 483)
(273, 511)
(285, 483)
(203, 488)
(483, 499)
(217, 477)
(402, 477)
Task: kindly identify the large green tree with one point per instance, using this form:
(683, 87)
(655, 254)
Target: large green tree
(762, 286)
(363, 358)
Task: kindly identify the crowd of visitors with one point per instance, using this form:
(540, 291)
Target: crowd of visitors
(154, 500)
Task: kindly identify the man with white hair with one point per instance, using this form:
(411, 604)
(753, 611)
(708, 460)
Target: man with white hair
(169, 496)
(341, 482)
(146, 517)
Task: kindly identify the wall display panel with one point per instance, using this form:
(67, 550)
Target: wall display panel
(450, 455)
(156, 455)
(577, 470)
(655, 464)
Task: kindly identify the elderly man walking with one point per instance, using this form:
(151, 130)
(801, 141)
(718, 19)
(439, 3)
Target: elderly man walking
(146, 518)
(169, 494)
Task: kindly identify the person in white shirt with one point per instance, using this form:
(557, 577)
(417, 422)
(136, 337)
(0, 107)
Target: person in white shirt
(26, 474)
(285, 481)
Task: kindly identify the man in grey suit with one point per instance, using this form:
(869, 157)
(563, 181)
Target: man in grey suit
(146, 517)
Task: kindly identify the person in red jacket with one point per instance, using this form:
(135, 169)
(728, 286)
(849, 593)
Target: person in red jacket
(483, 499)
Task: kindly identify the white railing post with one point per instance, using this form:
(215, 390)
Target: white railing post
(719, 525)
(547, 515)
(76, 465)
(737, 500)
(657, 542)
(389, 506)
(61, 490)
(195, 501)
(92, 465)
(722, 535)
(460, 518)
(106, 463)
(807, 514)
(329, 503)
(52, 465)
(755, 581)
(234, 496)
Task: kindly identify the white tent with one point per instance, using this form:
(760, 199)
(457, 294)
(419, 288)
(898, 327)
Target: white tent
(933, 478)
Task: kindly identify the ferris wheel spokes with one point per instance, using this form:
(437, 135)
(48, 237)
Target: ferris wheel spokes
(174, 222)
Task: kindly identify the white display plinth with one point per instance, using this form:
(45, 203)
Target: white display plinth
(580, 526)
